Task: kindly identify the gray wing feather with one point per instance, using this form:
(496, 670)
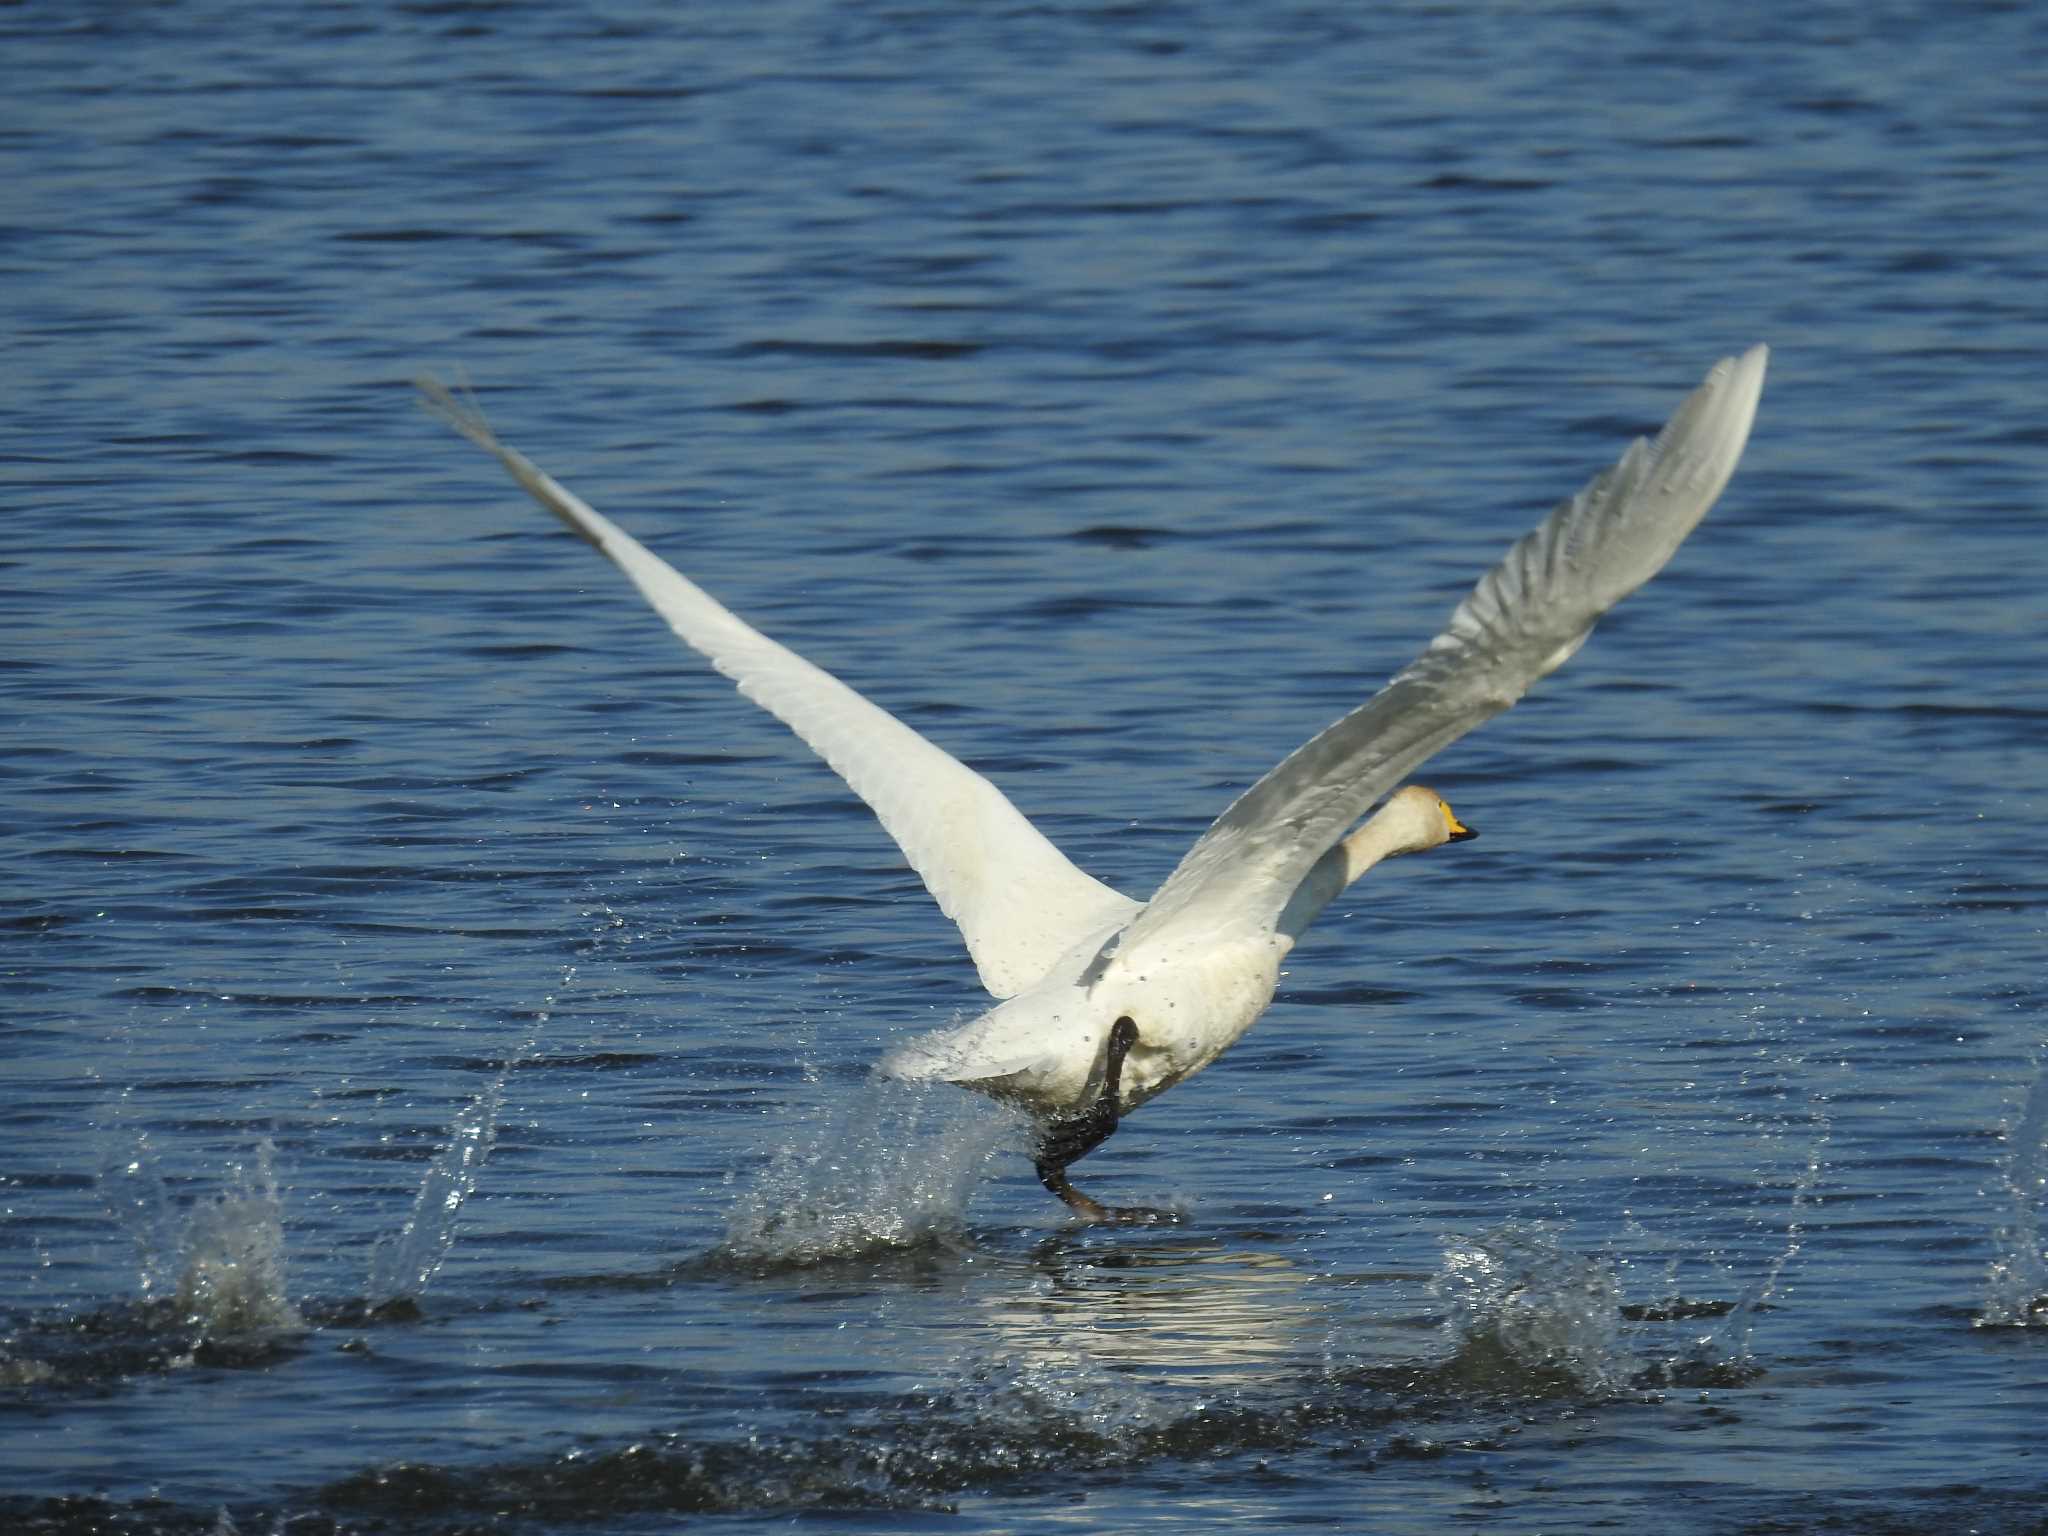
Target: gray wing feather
(1525, 618)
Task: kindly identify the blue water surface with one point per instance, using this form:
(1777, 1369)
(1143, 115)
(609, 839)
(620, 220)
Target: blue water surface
(434, 1078)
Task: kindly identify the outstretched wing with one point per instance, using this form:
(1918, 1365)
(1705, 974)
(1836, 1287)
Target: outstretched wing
(1018, 900)
(1527, 616)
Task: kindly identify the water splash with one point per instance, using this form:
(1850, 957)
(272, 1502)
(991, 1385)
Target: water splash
(219, 1267)
(1525, 1312)
(1075, 1395)
(1727, 1348)
(18, 1372)
(891, 1167)
(2016, 1290)
(142, 1206)
(234, 1275)
(402, 1262)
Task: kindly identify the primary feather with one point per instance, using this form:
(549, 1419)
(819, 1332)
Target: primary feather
(1525, 618)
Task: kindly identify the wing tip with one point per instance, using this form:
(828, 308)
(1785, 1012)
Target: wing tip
(1708, 432)
(459, 411)
(1740, 381)
(1751, 366)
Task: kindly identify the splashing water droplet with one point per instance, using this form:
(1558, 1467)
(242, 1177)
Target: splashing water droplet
(220, 1266)
(233, 1280)
(2016, 1290)
(135, 1193)
(1729, 1344)
(1527, 1312)
(403, 1262)
(890, 1167)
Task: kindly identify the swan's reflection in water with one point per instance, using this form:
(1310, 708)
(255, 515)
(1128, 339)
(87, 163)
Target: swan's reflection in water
(1197, 1312)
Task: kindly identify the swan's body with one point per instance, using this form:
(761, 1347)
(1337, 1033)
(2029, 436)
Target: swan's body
(1191, 994)
(1192, 968)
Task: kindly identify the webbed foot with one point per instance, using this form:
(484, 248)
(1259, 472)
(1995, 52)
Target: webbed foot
(1073, 1137)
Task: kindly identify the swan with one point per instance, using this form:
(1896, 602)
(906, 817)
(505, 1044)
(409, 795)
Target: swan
(1104, 1001)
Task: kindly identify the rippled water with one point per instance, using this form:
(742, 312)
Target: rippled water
(438, 1014)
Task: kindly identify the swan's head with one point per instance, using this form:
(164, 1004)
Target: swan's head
(1412, 820)
(1415, 819)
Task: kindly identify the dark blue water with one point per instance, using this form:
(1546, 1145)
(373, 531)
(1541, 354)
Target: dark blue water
(438, 1011)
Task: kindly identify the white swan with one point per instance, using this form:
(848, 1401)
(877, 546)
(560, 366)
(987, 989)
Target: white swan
(1109, 1001)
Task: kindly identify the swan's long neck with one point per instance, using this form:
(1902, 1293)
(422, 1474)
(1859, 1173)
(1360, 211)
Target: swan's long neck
(1382, 836)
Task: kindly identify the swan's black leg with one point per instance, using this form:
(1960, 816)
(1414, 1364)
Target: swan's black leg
(1072, 1138)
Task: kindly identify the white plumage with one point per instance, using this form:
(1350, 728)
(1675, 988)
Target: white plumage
(1193, 967)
